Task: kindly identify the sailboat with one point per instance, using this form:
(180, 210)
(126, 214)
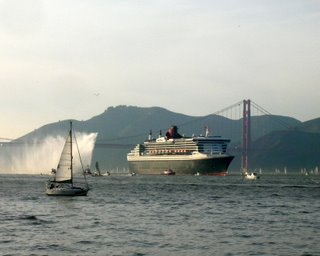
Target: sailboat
(62, 184)
(97, 171)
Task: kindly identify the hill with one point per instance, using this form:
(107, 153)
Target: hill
(312, 126)
(292, 150)
(120, 128)
(131, 124)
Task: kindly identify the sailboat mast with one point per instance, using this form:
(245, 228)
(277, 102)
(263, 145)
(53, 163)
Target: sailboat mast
(71, 155)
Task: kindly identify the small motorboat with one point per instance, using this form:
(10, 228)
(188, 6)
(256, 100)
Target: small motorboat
(250, 176)
(169, 172)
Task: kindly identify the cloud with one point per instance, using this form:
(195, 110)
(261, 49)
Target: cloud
(142, 52)
(21, 18)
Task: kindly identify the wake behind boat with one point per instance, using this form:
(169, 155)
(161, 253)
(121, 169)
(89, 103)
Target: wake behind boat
(62, 184)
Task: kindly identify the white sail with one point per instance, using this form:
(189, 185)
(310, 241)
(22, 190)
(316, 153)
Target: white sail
(64, 169)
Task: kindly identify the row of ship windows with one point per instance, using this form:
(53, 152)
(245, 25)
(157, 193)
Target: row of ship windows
(176, 152)
(202, 148)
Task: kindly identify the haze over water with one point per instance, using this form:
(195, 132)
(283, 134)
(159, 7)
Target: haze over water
(163, 215)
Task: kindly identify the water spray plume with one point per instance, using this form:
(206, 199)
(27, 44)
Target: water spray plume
(39, 157)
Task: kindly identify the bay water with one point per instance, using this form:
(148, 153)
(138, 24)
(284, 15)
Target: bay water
(163, 215)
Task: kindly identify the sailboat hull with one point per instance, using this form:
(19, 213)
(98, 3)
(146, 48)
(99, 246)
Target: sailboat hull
(63, 191)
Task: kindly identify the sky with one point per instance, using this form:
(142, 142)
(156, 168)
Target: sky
(62, 59)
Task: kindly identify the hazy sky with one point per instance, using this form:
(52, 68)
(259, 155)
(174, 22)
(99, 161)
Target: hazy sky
(63, 59)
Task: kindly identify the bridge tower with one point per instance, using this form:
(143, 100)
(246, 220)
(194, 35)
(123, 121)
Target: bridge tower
(246, 135)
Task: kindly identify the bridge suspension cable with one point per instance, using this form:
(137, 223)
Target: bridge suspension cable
(265, 112)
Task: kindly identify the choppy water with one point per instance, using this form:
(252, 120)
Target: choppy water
(143, 215)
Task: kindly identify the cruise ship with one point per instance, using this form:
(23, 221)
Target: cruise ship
(195, 155)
